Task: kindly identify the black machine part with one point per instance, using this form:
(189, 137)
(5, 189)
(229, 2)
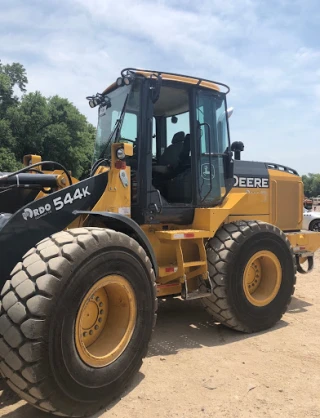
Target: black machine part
(17, 190)
(5, 176)
(28, 179)
(21, 187)
(43, 217)
(237, 147)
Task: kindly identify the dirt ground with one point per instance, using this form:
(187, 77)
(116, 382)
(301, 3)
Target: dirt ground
(196, 368)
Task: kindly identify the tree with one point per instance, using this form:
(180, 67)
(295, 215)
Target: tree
(8, 162)
(11, 75)
(33, 124)
(311, 184)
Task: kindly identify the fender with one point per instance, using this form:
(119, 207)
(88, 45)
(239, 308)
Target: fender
(122, 223)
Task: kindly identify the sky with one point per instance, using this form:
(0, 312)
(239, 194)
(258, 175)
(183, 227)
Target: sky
(267, 51)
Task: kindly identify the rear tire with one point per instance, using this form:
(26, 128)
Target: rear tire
(240, 301)
(39, 340)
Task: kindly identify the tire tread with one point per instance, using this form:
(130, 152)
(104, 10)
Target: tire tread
(32, 287)
(220, 251)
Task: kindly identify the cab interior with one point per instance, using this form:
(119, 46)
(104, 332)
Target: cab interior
(171, 151)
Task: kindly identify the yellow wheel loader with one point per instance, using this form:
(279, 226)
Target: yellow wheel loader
(169, 208)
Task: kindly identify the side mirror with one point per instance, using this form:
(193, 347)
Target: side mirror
(237, 147)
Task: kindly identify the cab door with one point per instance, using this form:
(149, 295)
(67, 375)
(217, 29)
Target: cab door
(213, 156)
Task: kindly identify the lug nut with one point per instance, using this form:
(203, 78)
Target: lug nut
(100, 304)
(100, 320)
(97, 298)
(85, 334)
(101, 311)
(90, 332)
(96, 327)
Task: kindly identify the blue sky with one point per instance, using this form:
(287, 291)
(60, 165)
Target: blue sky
(268, 52)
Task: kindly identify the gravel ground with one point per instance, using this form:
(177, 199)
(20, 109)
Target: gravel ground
(196, 368)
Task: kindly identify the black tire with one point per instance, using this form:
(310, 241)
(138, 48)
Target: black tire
(228, 253)
(315, 225)
(39, 359)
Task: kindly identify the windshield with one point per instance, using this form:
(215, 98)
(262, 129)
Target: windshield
(108, 117)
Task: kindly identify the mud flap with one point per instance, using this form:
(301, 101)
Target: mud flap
(310, 265)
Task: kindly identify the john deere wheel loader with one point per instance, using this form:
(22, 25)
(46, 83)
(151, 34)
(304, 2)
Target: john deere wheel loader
(169, 208)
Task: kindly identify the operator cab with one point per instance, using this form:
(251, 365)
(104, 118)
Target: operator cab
(181, 149)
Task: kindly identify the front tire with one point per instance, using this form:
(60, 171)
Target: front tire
(76, 320)
(253, 272)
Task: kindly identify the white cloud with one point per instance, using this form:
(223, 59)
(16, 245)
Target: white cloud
(263, 50)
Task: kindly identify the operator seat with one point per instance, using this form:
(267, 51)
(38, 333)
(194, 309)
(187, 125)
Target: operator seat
(185, 152)
(170, 158)
(179, 187)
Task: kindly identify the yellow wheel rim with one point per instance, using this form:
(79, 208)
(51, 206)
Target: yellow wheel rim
(262, 278)
(105, 321)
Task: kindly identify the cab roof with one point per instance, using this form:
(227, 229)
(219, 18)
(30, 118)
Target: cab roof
(180, 78)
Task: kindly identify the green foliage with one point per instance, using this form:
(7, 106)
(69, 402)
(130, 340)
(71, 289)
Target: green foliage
(311, 184)
(33, 124)
(7, 140)
(11, 76)
(8, 161)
